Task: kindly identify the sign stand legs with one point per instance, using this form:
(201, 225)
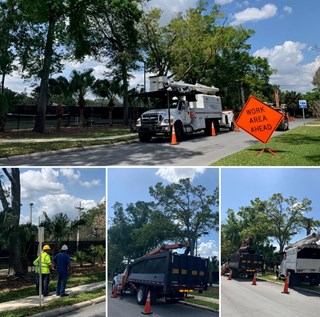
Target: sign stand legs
(266, 149)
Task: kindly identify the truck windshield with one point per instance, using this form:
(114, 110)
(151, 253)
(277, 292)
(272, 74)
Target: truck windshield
(162, 104)
(309, 253)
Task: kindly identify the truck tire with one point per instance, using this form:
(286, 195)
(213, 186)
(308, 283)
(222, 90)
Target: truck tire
(235, 273)
(294, 279)
(141, 295)
(216, 125)
(207, 130)
(315, 280)
(178, 128)
(145, 137)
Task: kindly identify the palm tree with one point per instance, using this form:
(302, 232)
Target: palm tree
(57, 228)
(60, 90)
(80, 84)
(291, 98)
(105, 88)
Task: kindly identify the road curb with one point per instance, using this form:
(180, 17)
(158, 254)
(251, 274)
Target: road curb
(199, 306)
(68, 309)
(297, 288)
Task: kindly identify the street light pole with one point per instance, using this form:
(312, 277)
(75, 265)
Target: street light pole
(78, 230)
(31, 205)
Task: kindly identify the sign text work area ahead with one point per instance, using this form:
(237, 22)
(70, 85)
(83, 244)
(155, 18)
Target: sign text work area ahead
(258, 119)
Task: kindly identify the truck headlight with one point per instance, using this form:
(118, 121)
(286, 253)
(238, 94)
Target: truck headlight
(167, 121)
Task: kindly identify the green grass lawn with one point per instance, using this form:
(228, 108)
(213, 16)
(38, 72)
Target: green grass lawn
(298, 147)
(211, 293)
(11, 149)
(56, 303)
(9, 295)
(214, 306)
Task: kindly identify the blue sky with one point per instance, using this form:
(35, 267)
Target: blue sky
(286, 32)
(129, 185)
(241, 185)
(56, 190)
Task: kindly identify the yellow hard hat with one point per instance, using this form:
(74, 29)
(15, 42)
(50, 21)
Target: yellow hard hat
(46, 247)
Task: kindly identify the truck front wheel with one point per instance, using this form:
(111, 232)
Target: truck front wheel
(178, 128)
(145, 137)
(141, 295)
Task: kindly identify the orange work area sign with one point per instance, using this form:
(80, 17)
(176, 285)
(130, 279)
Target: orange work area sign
(258, 119)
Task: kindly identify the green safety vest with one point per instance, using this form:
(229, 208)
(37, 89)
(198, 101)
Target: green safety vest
(45, 263)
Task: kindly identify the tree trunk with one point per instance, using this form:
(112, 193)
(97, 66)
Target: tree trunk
(2, 82)
(125, 94)
(43, 95)
(15, 265)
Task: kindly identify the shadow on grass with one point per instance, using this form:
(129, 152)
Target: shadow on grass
(298, 139)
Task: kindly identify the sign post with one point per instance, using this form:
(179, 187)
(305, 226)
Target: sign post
(303, 105)
(259, 120)
(40, 239)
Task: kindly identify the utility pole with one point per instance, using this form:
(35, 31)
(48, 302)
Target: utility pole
(31, 205)
(78, 230)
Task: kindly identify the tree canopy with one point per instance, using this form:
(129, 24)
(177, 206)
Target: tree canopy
(180, 212)
(271, 223)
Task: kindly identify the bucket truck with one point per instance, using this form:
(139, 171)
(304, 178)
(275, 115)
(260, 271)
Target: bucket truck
(186, 107)
(301, 261)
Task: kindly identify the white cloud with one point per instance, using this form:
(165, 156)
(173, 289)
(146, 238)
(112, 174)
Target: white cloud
(34, 182)
(70, 174)
(222, 2)
(92, 183)
(208, 249)
(173, 175)
(254, 14)
(291, 73)
(288, 9)
(171, 8)
(61, 203)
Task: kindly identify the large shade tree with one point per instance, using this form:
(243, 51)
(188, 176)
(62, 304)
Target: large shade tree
(10, 197)
(276, 219)
(192, 207)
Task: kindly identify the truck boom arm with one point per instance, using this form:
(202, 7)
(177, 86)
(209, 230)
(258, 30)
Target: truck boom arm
(310, 239)
(166, 247)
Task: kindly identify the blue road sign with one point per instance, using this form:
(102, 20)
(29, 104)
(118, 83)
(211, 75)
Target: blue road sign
(302, 104)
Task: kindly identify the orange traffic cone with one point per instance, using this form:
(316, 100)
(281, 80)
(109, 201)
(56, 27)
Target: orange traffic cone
(236, 127)
(173, 137)
(115, 292)
(286, 287)
(147, 306)
(230, 275)
(213, 131)
(254, 280)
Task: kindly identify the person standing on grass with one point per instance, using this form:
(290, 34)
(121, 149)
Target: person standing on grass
(44, 269)
(62, 262)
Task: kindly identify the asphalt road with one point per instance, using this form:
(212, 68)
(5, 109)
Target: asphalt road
(97, 310)
(196, 150)
(127, 306)
(242, 299)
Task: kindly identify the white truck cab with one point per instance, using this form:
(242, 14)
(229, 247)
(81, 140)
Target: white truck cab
(189, 108)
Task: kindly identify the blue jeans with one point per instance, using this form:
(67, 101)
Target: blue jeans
(62, 282)
(45, 283)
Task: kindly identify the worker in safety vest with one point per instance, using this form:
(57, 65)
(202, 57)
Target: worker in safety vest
(45, 269)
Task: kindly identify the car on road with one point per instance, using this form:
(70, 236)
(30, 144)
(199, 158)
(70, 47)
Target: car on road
(284, 123)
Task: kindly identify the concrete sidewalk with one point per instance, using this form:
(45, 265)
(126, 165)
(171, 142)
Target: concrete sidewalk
(66, 139)
(34, 301)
